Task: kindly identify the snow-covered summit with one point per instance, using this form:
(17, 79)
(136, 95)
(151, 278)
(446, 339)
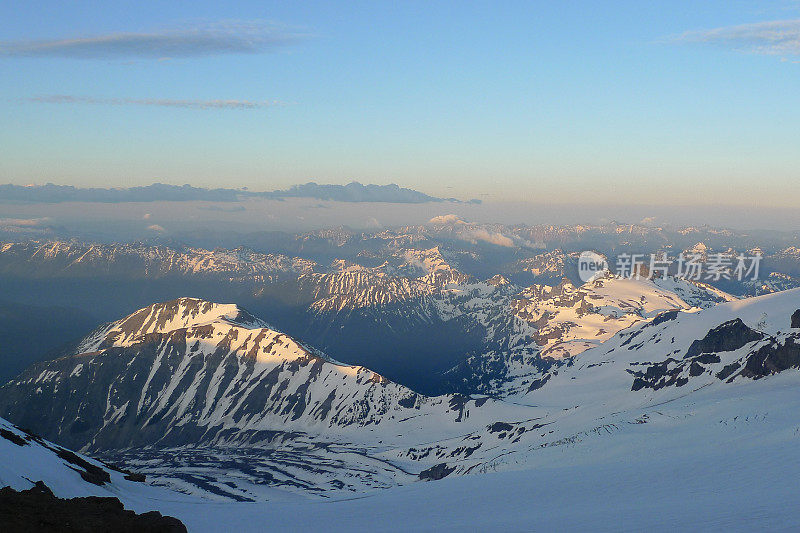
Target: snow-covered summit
(164, 317)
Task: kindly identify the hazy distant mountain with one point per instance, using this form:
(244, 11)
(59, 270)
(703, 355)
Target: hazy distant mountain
(421, 315)
(159, 192)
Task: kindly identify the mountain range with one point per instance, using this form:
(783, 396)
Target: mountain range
(396, 365)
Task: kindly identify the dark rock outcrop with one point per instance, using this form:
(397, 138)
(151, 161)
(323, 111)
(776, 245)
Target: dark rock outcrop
(796, 319)
(38, 509)
(666, 316)
(726, 337)
(436, 472)
(771, 359)
(499, 426)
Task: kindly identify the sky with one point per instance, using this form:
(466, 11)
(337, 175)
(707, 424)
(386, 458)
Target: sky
(646, 103)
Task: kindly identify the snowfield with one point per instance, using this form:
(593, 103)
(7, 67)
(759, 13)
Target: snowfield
(684, 418)
(722, 460)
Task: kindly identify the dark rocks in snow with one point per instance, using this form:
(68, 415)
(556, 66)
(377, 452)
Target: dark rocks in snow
(458, 402)
(538, 383)
(38, 509)
(726, 337)
(728, 370)
(796, 319)
(500, 426)
(89, 472)
(437, 472)
(408, 402)
(666, 316)
(13, 437)
(695, 369)
(771, 359)
(707, 358)
(656, 375)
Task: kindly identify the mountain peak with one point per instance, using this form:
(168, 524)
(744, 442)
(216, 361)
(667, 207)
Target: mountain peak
(168, 316)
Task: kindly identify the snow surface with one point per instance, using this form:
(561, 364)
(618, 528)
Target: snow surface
(724, 460)
(37, 460)
(580, 451)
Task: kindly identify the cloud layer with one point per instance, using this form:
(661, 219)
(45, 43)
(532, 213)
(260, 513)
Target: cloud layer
(220, 38)
(50, 193)
(778, 37)
(471, 233)
(161, 102)
(353, 192)
(356, 192)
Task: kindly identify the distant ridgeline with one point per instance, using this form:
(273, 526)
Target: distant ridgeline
(352, 192)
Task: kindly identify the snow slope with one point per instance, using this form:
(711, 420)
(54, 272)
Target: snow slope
(687, 419)
(190, 371)
(26, 458)
(722, 461)
(708, 454)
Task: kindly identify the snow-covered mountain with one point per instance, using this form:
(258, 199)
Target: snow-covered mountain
(679, 371)
(530, 330)
(207, 399)
(61, 259)
(419, 305)
(191, 371)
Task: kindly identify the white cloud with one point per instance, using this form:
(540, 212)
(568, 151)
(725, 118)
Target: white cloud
(156, 227)
(232, 37)
(472, 233)
(160, 102)
(446, 219)
(24, 222)
(777, 37)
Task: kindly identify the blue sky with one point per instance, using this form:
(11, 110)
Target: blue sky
(627, 102)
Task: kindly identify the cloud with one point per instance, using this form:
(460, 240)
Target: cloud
(162, 102)
(474, 235)
(233, 37)
(25, 222)
(446, 219)
(223, 208)
(356, 192)
(29, 227)
(51, 194)
(156, 227)
(159, 192)
(777, 37)
(471, 233)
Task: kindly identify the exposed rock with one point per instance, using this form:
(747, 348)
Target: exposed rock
(696, 369)
(726, 337)
(38, 509)
(538, 383)
(796, 319)
(13, 437)
(436, 472)
(771, 359)
(500, 426)
(666, 316)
